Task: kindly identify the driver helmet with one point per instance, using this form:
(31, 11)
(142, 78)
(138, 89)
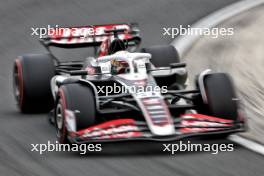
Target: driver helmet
(119, 67)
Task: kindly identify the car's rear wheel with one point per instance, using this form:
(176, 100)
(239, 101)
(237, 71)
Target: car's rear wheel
(31, 82)
(79, 99)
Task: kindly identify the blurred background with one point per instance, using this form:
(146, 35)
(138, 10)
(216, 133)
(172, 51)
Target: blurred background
(240, 55)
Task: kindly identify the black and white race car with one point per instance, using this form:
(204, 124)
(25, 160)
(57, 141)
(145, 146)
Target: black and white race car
(123, 95)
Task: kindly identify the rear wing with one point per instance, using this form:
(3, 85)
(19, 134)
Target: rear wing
(92, 35)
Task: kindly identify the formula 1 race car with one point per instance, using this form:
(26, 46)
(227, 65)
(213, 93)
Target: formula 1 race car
(121, 94)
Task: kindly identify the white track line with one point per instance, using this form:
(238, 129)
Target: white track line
(184, 43)
(251, 145)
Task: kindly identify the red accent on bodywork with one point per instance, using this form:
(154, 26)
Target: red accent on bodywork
(104, 48)
(202, 116)
(72, 35)
(209, 121)
(64, 107)
(104, 130)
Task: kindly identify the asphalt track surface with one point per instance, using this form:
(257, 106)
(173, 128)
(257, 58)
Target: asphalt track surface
(18, 131)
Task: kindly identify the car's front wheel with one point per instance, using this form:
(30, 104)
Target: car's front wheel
(221, 99)
(78, 99)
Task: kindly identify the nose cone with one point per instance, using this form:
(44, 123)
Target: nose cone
(163, 130)
(157, 116)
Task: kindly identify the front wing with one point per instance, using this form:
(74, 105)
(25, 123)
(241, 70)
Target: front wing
(187, 125)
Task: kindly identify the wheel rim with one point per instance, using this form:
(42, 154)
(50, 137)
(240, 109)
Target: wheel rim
(16, 85)
(59, 119)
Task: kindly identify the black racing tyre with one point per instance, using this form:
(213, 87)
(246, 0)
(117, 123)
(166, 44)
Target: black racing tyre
(162, 55)
(77, 98)
(31, 82)
(221, 97)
